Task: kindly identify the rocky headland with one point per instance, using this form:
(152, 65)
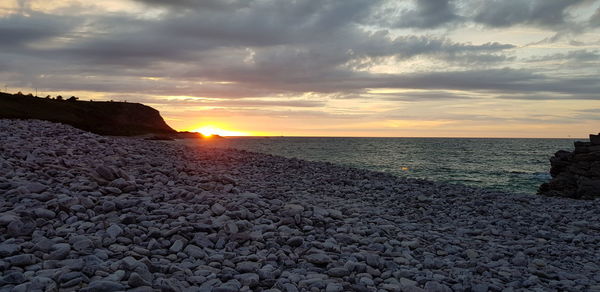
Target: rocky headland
(575, 174)
(100, 117)
(82, 212)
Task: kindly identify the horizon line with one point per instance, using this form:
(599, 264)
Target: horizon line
(409, 137)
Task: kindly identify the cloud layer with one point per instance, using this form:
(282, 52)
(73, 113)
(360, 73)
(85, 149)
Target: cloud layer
(305, 53)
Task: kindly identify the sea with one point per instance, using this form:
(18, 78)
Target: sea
(505, 164)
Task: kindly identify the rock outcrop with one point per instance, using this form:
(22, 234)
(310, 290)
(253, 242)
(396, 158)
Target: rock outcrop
(100, 117)
(575, 174)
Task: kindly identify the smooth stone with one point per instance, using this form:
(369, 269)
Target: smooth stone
(101, 286)
(135, 280)
(36, 187)
(21, 260)
(9, 249)
(434, 286)
(114, 231)
(194, 251)
(295, 241)
(217, 209)
(338, 272)
(247, 267)
(318, 258)
(177, 246)
(59, 251)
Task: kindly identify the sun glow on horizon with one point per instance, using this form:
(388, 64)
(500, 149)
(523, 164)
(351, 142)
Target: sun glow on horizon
(209, 131)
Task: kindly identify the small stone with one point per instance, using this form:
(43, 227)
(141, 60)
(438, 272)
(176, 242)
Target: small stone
(334, 287)
(114, 231)
(135, 280)
(472, 254)
(105, 173)
(407, 282)
(8, 249)
(36, 187)
(83, 244)
(318, 258)
(247, 267)
(108, 206)
(295, 241)
(248, 279)
(103, 286)
(194, 251)
(12, 277)
(434, 286)
(44, 213)
(59, 251)
(21, 260)
(218, 209)
(293, 209)
(116, 276)
(43, 284)
(480, 288)
(338, 272)
(177, 246)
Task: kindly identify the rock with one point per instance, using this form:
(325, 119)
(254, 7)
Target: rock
(82, 244)
(12, 277)
(595, 139)
(334, 287)
(7, 249)
(135, 280)
(295, 241)
(114, 231)
(36, 187)
(318, 258)
(105, 173)
(43, 284)
(217, 209)
(292, 209)
(21, 260)
(177, 246)
(433, 286)
(44, 213)
(20, 227)
(472, 254)
(576, 174)
(108, 206)
(194, 251)
(8, 217)
(247, 267)
(116, 276)
(248, 279)
(338, 272)
(101, 285)
(59, 251)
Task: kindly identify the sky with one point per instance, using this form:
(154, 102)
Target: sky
(428, 68)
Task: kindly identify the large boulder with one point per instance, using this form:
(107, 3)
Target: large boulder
(575, 174)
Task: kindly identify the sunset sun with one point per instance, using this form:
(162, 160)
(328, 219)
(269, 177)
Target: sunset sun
(209, 130)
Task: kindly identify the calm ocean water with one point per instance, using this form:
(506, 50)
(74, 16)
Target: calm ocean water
(514, 165)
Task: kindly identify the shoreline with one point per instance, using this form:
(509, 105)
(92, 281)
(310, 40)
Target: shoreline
(154, 215)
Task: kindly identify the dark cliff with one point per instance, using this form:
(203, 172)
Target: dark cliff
(100, 117)
(575, 174)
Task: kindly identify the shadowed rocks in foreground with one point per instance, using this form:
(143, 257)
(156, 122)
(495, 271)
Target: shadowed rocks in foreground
(81, 212)
(575, 174)
(100, 117)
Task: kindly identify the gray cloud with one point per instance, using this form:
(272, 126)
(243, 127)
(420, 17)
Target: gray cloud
(533, 12)
(426, 14)
(278, 48)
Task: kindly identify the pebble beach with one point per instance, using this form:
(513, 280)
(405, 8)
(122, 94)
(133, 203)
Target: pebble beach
(83, 212)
